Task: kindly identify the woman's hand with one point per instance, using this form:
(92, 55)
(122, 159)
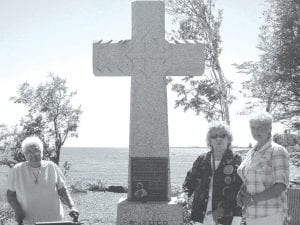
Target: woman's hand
(217, 214)
(244, 199)
(74, 213)
(239, 196)
(19, 216)
(13, 201)
(247, 199)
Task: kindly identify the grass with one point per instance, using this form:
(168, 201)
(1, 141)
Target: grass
(97, 207)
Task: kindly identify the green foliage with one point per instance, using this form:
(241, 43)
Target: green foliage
(50, 116)
(287, 139)
(96, 186)
(187, 214)
(209, 95)
(78, 187)
(66, 167)
(6, 214)
(295, 160)
(83, 187)
(275, 78)
(201, 96)
(291, 142)
(10, 142)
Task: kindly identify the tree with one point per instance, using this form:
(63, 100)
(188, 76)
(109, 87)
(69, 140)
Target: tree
(10, 154)
(275, 78)
(210, 94)
(287, 19)
(50, 115)
(287, 139)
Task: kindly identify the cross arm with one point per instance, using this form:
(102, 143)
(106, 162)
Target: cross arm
(185, 59)
(109, 59)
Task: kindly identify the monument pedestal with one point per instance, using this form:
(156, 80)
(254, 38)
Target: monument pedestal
(150, 213)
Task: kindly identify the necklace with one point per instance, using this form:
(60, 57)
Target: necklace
(35, 175)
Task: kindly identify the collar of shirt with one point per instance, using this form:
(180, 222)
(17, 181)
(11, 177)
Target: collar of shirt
(254, 153)
(262, 149)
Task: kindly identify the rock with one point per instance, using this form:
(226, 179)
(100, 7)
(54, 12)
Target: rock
(117, 189)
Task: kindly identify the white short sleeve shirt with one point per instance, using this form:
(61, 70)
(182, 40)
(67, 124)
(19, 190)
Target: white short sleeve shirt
(39, 200)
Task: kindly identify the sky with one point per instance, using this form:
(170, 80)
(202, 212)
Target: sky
(38, 37)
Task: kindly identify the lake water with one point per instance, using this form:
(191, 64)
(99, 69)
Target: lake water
(110, 165)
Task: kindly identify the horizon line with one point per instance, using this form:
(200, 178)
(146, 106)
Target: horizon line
(128, 147)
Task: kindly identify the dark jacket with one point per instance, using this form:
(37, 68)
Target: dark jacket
(226, 184)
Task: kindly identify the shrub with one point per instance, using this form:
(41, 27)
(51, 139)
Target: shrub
(6, 214)
(78, 187)
(97, 186)
(66, 167)
(83, 187)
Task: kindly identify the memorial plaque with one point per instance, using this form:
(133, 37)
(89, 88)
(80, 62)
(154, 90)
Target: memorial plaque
(149, 179)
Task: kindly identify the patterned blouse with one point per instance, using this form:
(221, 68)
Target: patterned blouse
(226, 184)
(260, 170)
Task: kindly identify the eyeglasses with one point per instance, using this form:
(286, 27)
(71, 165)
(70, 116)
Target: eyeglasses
(28, 152)
(215, 136)
(33, 150)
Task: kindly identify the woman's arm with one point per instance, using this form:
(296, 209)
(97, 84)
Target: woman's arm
(272, 192)
(192, 177)
(66, 197)
(13, 202)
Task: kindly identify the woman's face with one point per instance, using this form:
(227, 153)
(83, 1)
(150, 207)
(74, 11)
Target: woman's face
(33, 153)
(261, 132)
(219, 139)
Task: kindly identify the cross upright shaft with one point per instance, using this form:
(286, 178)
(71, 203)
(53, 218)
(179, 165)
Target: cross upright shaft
(151, 15)
(148, 58)
(149, 122)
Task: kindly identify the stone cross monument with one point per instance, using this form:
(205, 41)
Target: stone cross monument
(148, 58)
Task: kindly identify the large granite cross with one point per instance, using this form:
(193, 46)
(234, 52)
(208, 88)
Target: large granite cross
(148, 58)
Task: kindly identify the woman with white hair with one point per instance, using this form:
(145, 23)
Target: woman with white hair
(213, 180)
(265, 172)
(36, 186)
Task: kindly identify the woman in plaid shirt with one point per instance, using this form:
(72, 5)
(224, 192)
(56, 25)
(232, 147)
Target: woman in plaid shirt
(265, 172)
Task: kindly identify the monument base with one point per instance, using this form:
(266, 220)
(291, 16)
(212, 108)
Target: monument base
(149, 213)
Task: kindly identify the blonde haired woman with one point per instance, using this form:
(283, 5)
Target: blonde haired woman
(265, 172)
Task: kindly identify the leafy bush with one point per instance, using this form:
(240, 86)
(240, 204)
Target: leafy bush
(6, 214)
(83, 187)
(66, 167)
(96, 186)
(287, 139)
